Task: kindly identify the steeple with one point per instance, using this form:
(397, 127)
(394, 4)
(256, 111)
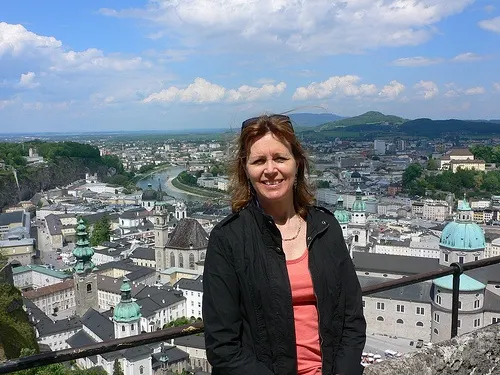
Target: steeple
(83, 252)
(85, 280)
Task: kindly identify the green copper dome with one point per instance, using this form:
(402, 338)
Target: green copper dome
(127, 310)
(359, 204)
(82, 251)
(463, 234)
(343, 216)
(467, 283)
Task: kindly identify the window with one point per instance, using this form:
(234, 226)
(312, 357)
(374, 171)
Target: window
(400, 308)
(191, 261)
(364, 304)
(380, 318)
(141, 370)
(495, 320)
(420, 324)
(461, 260)
(181, 261)
(476, 304)
(380, 306)
(436, 331)
(476, 258)
(436, 317)
(420, 311)
(400, 321)
(89, 288)
(459, 323)
(446, 257)
(438, 299)
(172, 259)
(123, 328)
(477, 322)
(460, 305)
(132, 327)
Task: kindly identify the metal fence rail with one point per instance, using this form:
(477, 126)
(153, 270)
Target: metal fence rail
(59, 356)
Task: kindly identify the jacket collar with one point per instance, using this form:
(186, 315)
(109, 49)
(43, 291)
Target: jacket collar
(265, 221)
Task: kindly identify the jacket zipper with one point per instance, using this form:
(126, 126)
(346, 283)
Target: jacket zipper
(317, 301)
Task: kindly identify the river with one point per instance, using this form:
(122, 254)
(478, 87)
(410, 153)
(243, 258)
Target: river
(165, 176)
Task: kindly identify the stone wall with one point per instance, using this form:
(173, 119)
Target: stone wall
(475, 353)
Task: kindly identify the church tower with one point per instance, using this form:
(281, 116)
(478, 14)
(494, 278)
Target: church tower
(358, 220)
(85, 280)
(127, 313)
(160, 222)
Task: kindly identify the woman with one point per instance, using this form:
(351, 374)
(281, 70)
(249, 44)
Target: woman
(281, 295)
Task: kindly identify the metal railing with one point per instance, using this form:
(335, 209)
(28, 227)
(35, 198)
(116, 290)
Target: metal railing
(59, 356)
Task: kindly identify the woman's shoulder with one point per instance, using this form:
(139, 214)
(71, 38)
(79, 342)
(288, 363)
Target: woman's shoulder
(231, 219)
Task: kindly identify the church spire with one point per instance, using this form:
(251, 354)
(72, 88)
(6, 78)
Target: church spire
(83, 252)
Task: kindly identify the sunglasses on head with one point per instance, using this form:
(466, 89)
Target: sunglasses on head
(253, 120)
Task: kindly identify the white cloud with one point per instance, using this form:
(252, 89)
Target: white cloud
(28, 80)
(34, 106)
(392, 90)
(492, 24)
(6, 103)
(427, 89)
(416, 61)
(466, 57)
(16, 40)
(320, 26)
(203, 91)
(474, 90)
(346, 86)
(496, 86)
(455, 91)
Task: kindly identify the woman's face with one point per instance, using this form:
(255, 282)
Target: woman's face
(271, 169)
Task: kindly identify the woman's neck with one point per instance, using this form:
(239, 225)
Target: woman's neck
(280, 213)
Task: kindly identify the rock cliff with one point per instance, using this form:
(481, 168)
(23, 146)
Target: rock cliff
(33, 179)
(475, 353)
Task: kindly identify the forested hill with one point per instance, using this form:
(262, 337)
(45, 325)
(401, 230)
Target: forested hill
(425, 127)
(371, 117)
(64, 163)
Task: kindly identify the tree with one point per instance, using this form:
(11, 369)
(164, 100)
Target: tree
(101, 231)
(411, 173)
(432, 165)
(117, 368)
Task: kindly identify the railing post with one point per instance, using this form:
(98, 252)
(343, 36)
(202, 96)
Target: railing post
(458, 270)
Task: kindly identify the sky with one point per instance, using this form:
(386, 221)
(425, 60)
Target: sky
(110, 65)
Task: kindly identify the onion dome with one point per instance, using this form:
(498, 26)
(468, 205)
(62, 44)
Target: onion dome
(355, 174)
(463, 234)
(149, 194)
(359, 204)
(342, 215)
(83, 252)
(127, 310)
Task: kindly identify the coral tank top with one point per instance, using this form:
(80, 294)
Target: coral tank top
(305, 316)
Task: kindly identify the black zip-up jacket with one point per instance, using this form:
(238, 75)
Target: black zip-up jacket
(247, 300)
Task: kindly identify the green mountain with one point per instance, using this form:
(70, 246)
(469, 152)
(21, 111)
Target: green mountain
(371, 117)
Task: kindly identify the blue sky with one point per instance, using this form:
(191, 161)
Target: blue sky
(179, 64)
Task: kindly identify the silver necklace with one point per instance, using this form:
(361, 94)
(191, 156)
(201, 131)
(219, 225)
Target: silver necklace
(296, 234)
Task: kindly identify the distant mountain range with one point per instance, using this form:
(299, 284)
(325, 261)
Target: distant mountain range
(313, 119)
(374, 123)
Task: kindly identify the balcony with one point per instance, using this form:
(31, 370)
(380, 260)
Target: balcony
(394, 366)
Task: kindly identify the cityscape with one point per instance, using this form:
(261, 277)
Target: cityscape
(118, 126)
(97, 260)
